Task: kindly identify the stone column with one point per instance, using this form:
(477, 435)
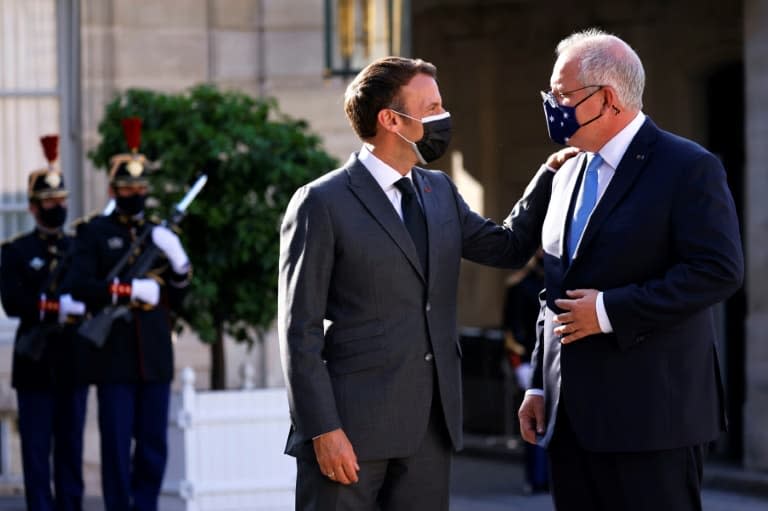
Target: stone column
(756, 233)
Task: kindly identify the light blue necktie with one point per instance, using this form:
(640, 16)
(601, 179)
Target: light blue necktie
(585, 205)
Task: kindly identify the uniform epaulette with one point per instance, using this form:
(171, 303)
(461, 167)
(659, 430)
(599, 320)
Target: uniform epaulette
(159, 221)
(84, 219)
(74, 224)
(13, 238)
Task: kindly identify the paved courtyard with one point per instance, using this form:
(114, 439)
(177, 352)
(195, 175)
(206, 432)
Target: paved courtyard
(491, 484)
(483, 484)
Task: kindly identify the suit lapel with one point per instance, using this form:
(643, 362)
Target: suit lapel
(373, 199)
(635, 158)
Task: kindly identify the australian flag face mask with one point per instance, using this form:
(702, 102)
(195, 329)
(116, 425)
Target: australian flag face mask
(561, 119)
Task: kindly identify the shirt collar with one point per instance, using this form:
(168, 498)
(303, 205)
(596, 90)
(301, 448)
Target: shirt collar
(613, 151)
(385, 175)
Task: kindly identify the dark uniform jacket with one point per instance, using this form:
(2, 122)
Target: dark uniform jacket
(25, 265)
(139, 349)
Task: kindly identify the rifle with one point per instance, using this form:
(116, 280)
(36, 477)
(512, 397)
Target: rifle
(31, 343)
(96, 329)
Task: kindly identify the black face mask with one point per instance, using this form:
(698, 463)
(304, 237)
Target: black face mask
(54, 217)
(437, 136)
(131, 205)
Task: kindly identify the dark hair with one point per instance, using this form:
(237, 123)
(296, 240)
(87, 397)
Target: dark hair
(377, 87)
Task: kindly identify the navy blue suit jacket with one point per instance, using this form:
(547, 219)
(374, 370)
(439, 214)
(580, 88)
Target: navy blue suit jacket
(663, 245)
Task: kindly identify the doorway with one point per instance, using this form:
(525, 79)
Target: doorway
(725, 138)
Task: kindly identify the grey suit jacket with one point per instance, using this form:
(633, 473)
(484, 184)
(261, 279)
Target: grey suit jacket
(348, 261)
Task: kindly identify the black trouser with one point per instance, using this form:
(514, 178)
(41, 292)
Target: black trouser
(668, 480)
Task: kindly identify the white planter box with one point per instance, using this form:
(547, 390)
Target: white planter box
(226, 451)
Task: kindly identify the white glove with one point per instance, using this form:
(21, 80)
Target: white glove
(146, 290)
(167, 241)
(68, 306)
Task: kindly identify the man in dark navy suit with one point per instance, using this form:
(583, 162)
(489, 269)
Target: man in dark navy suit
(641, 241)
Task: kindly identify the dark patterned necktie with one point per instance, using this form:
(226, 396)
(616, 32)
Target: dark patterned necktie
(414, 220)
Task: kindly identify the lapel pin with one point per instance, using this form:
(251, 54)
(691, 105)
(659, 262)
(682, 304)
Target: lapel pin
(640, 156)
(427, 189)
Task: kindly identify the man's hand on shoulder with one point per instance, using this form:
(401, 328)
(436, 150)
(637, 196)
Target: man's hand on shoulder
(336, 456)
(556, 160)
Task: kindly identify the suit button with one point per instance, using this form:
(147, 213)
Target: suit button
(428, 357)
(428, 307)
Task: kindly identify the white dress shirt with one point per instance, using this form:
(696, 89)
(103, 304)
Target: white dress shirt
(386, 176)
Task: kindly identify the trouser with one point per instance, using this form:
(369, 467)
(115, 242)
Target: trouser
(419, 482)
(627, 481)
(52, 419)
(536, 467)
(135, 413)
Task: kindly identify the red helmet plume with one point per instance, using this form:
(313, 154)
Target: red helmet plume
(50, 148)
(132, 132)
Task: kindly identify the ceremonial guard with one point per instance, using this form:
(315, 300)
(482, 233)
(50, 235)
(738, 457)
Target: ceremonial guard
(46, 360)
(133, 366)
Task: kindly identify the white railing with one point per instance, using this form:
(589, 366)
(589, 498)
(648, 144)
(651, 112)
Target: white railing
(226, 450)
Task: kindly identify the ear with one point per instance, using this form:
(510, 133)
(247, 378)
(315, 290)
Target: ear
(388, 119)
(33, 208)
(612, 100)
(111, 192)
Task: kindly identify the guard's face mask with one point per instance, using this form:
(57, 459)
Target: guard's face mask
(437, 136)
(130, 205)
(53, 217)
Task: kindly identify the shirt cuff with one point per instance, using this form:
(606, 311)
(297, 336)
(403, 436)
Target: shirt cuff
(534, 392)
(324, 433)
(550, 169)
(602, 315)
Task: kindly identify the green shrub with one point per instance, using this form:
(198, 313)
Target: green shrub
(255, 158)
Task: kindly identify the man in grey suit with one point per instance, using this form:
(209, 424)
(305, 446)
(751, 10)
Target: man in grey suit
(369, 269)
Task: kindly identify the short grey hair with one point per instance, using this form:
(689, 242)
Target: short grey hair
(605, 59)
